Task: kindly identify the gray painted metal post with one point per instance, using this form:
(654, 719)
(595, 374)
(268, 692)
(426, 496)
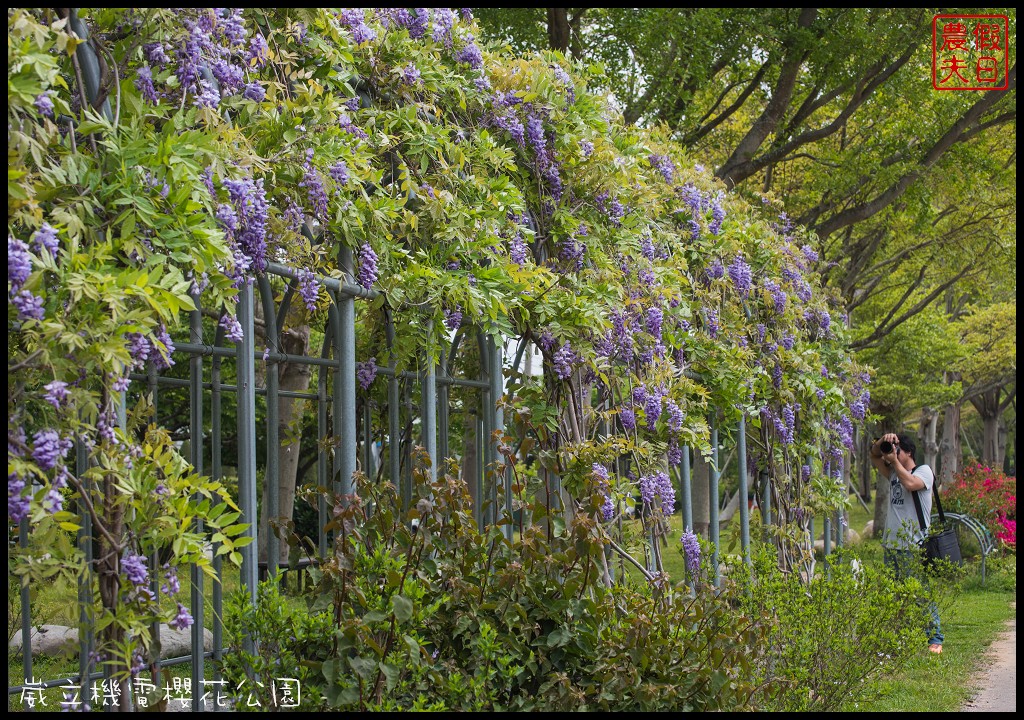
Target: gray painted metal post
(247, 441)
(394, 417)
(196, 448)
(487, 417)
(443, 403)
(337, 407)
(713, 502)
(687, 494)
(347, 390)
(428, 407)
(741, 451)
(273, 467)
(497, 379)
(827, 521)
(26, 613)
(368, 461)
(154, 557)
(216, 472)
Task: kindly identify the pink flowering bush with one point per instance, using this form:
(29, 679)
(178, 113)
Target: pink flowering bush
(988, 495)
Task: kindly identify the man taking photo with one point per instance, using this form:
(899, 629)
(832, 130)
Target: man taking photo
(893, 456)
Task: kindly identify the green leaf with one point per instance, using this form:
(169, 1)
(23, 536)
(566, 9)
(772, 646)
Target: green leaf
(403, 608)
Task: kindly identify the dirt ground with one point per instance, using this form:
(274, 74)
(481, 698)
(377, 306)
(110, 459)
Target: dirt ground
(997, 683)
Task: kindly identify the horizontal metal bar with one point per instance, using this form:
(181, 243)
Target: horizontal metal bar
(346, 288)
(197, 349)
(225, 387)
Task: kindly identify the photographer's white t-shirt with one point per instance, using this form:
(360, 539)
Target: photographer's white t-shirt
(902, 529)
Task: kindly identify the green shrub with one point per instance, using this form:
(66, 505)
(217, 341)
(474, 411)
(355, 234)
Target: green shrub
(828, 637)
(428, 612)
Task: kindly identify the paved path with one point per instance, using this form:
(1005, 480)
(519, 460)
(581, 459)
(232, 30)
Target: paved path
(998, 682)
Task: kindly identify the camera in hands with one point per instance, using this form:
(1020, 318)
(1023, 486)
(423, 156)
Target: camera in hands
(887, 447)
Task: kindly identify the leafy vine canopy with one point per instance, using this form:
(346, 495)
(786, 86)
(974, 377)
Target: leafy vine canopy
(468, 185)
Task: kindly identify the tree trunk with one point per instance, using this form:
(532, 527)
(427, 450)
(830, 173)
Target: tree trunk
(700, 495)
(988, 406)
(558, 29)
(1001, 435)
(291, 377)
(470, 471)
(929, 427)
(949, 447)
(864, 467)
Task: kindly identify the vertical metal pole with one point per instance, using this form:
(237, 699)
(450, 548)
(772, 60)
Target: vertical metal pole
(196, 447)
(26, 612)
(497, 378)
(273, 468)
(247, 442)
(487, 422)
(827, 522)
(407, 449)
(321, 458)
(428, 402)
(216, 472)
(687, 504)
(337, 407)
(368, 459)
(154, 558)
(394, 416)
(713, 500)
(741, 451)
(443, 394)
(347, 390)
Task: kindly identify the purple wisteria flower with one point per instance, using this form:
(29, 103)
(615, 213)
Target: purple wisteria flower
(208, 97)
(309, 288)
(741, 276)
(691, 552)
(674, 453)
(563, 361)
(255, 91)
(139, 348)
(452, 318)
(183, 620)
(249, 242)
(45, 238)
(48, 447)
(17, 504)
(19, 263)
(587, 148)
(171, 584)
(659, 486)
(717, 215)
(44, 104)
(715, 269)
(232, 328)
(56, 393)
(628, 419)
(144, 84)
(664, 165)
(135, 569)
(314, 186)
(367, 266)
(809, 253)
(366, 372)
(29, 306)
(518, 250)
(121, 384)
(778, 295)
(652, 408)
(470, 54)
(653, 321)
(411, 75)
(155, 54)
(444, 20)
(675, 415)
(163, 360)
(711, 318)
